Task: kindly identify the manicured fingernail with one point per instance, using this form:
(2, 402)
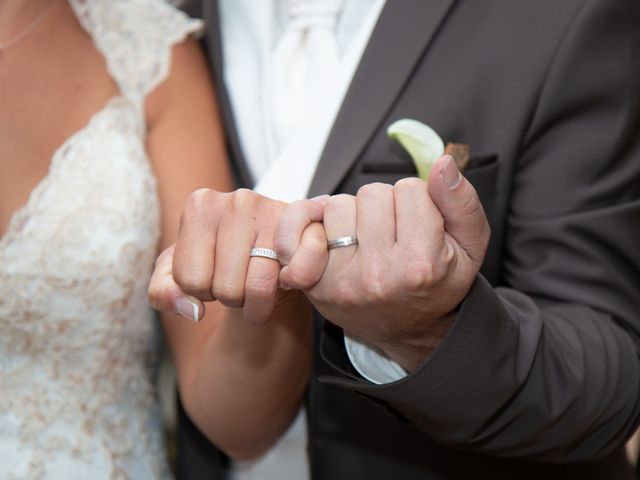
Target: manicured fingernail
(450, 174)
(188, 308)
(321, 198)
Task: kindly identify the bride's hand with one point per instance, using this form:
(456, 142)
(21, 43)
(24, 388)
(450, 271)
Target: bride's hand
(211, 258)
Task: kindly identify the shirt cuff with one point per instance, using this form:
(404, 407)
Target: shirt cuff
(371, 363)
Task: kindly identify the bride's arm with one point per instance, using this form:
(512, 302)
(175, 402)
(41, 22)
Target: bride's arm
(241, 384)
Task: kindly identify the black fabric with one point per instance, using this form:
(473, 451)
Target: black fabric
(197, 459)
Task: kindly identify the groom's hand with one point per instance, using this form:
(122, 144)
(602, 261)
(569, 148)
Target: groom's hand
(211, 258)
(419, 251)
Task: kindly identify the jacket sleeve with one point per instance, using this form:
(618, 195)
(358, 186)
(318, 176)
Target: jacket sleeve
(545, 366)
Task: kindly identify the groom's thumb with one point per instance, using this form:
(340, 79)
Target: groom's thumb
(458, 202)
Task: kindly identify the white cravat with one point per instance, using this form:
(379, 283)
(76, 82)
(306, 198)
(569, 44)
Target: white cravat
(303, 68)
(304, 81)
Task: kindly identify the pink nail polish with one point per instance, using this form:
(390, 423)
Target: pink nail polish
(450, 174)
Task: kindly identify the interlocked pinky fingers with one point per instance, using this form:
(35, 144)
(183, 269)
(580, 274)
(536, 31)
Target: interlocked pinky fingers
(296, 217)
(309, 260)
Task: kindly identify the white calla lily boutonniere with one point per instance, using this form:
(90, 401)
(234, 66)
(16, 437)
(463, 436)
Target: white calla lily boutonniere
(425, 146)
(421, 141)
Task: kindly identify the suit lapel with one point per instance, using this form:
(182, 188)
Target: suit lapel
(214, 49)
(403, 31)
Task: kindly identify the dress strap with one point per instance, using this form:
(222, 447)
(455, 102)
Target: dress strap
(135, 37)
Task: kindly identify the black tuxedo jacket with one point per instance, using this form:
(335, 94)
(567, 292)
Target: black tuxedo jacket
(539, 377)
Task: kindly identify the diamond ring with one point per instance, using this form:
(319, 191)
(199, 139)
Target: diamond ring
(264, 252)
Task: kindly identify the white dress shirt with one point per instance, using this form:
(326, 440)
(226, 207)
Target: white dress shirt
(283, 163)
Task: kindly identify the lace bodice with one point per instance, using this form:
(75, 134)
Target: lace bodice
(76, 334)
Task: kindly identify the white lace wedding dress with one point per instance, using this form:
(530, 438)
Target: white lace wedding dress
(77, 338)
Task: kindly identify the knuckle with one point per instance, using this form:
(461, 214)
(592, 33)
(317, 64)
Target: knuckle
(199, 199)
(449, 251)
(316, 241)
(419, 275)
(374, 189)
(409, 183)
(337, 202)
(191, 283)
(154, 295)
(198, 203)
(242, 199)
(299, 213)
(376, 290)
(299, 207)
(228, 293)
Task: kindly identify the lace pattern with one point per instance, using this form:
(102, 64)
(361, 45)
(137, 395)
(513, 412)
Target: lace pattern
(77, 339)
(128, 31)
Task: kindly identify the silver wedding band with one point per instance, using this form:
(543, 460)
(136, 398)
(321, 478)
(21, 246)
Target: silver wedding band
(342, 242)
(264, 252)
